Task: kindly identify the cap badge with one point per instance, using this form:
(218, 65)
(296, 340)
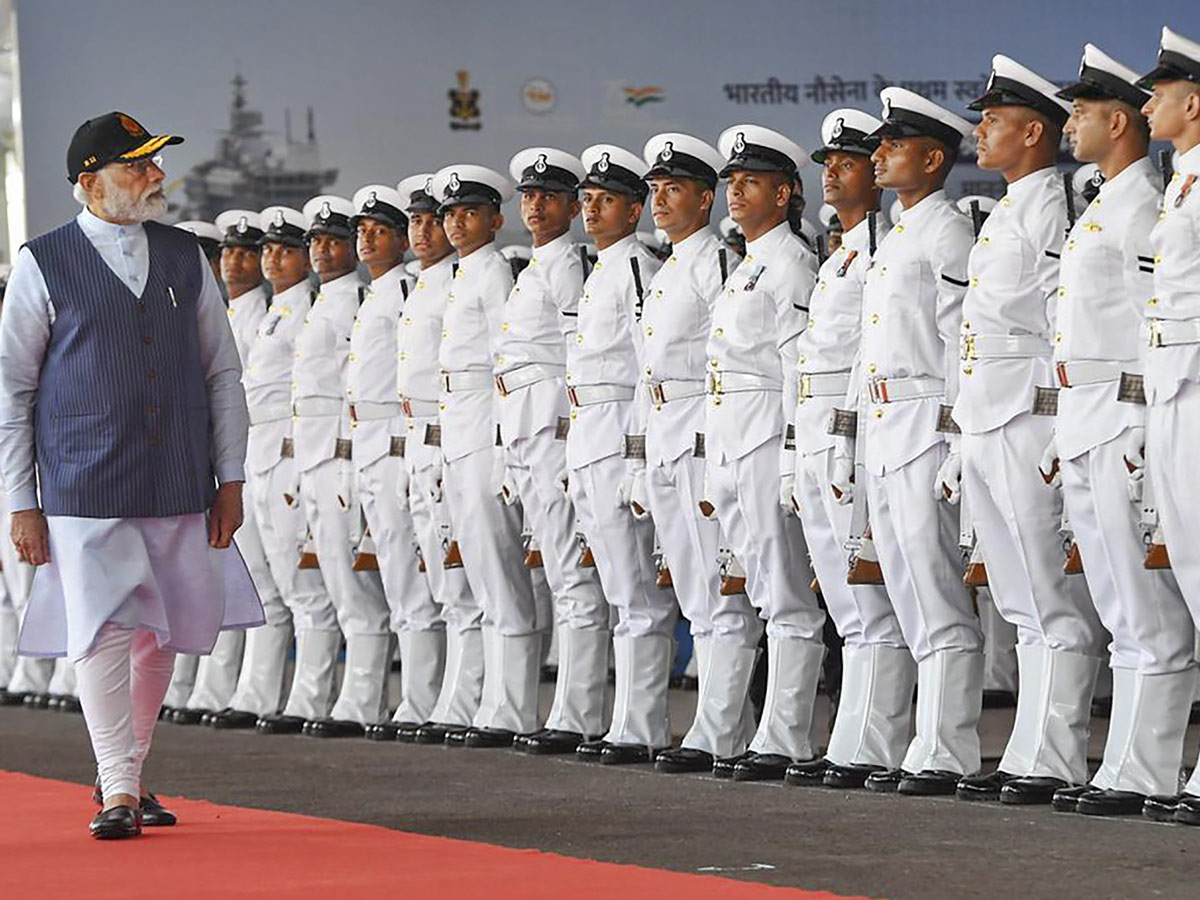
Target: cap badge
(453, 184)
(429, 186)
(838, 126)
(326, 210)
(668, 151)
(372, 199)
(602, 166)
(540, 165)
(887, 108)
(279, 218)
(134, 129)
(739, 143)
(242, 225)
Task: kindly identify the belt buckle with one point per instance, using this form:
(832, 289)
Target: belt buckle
(500, 388)
(406, 407)
(572, 396)
(656, 393)
(1060, 369)
(1156, 337)
(353, 413)
(968, 350)
(445, 381)
(805, 387)
(877, 387)
(715, 384)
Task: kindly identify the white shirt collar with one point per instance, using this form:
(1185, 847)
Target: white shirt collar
(622, 247)
(1030, 182)
(927, 202)
(1132, 171)
(693, 242)
(389, 280)
(556, 247)
(774, 236)
(1189, 163)
(94, 226)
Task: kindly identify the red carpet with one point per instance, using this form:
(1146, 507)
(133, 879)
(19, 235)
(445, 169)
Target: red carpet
(230, 852)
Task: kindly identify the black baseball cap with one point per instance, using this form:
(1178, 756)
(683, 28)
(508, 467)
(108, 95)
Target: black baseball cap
(111, 137)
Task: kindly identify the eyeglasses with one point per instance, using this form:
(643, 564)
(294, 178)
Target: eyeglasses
(142, 165)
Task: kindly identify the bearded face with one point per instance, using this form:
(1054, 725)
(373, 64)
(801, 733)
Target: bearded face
(122, 199)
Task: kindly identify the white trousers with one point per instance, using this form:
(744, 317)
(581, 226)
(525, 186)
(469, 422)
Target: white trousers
(1172, 432)
(916, 537)
(863, 613)
(357, 596)
(1142, 608)
(489, 537)
(624, 550)
(999, 645)
(1017, 522)
(689, 543)
(122, 681)
(768, 541)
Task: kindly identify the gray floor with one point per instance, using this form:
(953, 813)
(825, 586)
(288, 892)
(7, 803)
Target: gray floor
(851, 843)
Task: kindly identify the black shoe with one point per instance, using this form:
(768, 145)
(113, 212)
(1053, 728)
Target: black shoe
(1067, 799)
(1031, 790)
(456, 737)
(232, 719)
(278, 723)
(591, 751)
(724, 767)
(929, 783)
(165, 713)
(488, 738)
(551, 741)
(432, 733)
(154, 815)
(406, 732)
(1161, 808)
(68, 704)
(334, 728)
(37, 701)
(189, 716)
(762, 767)
(885, 782)
(1188, 810)
(519, 741)
(999, 700)
(683, 759)
(12, 698)
(850, 777)
(983, 787)
(52, 703)
(115, 823)
(384, 731)
(1108, 802)
(625, 754)
(808, 773)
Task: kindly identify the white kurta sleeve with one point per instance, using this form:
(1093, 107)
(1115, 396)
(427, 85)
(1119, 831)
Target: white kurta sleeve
(948, 259)
(223, 377)
(24, 335)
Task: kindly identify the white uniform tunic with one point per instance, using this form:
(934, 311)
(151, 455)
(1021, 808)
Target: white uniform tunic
(169, 580)
(1107, 276)
(757, 321)
(1173, 373)
(826, 352)
(322, 419)
(1008, 316)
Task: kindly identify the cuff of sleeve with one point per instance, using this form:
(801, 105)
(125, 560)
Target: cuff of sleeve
(231, 472)
(22, 499)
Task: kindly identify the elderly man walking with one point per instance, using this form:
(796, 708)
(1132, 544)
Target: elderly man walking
(122, 442)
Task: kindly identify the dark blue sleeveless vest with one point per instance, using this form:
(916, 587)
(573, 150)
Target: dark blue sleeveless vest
(122, 422)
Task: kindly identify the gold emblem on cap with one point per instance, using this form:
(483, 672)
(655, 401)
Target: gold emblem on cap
(540, 165)
(838, 127)
(453, 184)
(134, 129)
(739, 143)
(279, 218)
(326, 210)
(668, 151)
(602, 166)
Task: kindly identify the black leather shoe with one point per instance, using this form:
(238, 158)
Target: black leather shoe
(165, 713)
(189, 716)
(154, 815)
(37, 701)
(68, 704)
(232, 719)
(999, 700)
(52, 703)
(12, 698)
(683, 759)
(432, 733)
(590, 751)
(1110, 803)
(808, 773)
(334, 728)
(1067, 799)
(456, 737)
(762, 767)
(850, 777)
(551, 741)
(885, 782)
(929, 783)
(406, 733)
(983, 787)
(384, 731)
(278, 723)
(625, 754)
(724, 767)
(519, 741)
(488, 738)
(1161, 808)
(116, 823)
(1031, 790)
(1188, 810)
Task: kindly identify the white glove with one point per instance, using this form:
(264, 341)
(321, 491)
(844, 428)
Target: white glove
(632, 492)
(1135, 462)
(1048, 466)
(787, 494)
(435, 491)
(502, 481)
(948, 483)
(843, 480)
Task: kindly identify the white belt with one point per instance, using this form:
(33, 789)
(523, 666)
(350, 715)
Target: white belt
(525, 376)
(665, 391)
(739, 382)
(368, 411)
(417, 409)
(591, 394)
(823, 384)
(1173, 332)
(1002, 346)
(893, 390)
(466, 381)
(318, 406)
(270, 412)
(1075, 374)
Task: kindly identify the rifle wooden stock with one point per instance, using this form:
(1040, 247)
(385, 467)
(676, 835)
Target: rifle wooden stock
(453, 558)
